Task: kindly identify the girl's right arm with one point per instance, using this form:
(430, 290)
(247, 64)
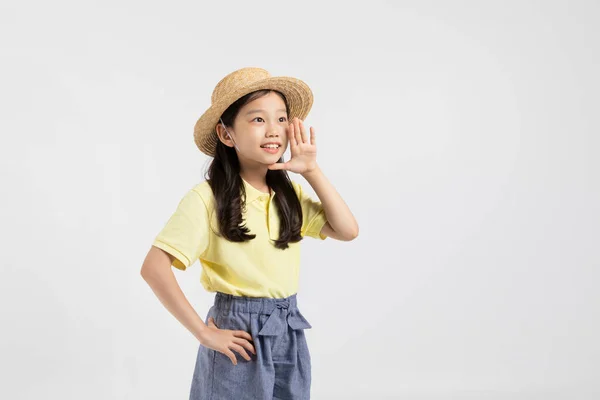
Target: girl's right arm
(156, 271)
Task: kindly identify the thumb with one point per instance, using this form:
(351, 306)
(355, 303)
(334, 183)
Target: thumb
(211, 321)
(277, 166)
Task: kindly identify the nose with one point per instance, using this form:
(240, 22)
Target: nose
(273, 128)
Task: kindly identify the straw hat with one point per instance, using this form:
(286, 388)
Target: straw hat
(238, 84)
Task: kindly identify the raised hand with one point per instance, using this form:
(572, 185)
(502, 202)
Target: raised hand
(302, 147)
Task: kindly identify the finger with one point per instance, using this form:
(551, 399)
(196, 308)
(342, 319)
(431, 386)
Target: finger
(292, 136)
(313, 139)
(278, 166)
(303, 132)
(231, 356)
(298, 132)
(246, 344)
(240, 350)
(242, 334)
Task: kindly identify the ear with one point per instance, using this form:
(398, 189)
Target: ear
(223, 135)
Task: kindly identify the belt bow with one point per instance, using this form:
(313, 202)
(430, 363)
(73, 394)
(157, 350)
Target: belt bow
(280, 317)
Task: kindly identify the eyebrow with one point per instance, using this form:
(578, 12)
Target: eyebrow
(259, 110)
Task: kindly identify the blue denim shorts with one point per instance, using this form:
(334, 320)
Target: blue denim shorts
(281, 368)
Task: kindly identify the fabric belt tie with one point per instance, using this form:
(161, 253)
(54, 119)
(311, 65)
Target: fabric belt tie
(281, 317)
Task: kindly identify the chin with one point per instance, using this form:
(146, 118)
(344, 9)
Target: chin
(272, 159)
(266, 158)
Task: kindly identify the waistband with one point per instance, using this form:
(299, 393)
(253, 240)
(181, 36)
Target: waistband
(282, 311)
(258, 305)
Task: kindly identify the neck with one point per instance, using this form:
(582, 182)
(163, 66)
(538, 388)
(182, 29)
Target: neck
(257, 177)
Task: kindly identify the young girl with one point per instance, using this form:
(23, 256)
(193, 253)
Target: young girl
(245, 223)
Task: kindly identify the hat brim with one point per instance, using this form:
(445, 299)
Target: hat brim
(298, 95)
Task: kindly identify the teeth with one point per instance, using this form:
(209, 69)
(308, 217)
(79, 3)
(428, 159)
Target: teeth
(271, 146)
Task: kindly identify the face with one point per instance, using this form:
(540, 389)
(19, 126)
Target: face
(261, 121)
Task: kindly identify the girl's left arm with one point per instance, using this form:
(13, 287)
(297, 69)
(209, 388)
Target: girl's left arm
(341, 224)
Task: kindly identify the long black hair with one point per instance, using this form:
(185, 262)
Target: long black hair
(228, 188)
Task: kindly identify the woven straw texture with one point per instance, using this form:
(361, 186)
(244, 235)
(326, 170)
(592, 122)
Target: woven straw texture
(238, 84)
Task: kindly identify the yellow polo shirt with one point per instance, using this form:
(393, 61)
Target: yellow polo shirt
(254, 268)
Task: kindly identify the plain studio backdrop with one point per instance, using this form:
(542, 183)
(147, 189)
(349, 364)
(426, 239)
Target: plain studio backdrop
(463, 135)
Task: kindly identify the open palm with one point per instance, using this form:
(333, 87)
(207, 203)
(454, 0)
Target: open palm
(302, 147)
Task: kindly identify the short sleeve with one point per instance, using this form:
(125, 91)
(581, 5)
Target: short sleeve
(313, 214)
(186, 234)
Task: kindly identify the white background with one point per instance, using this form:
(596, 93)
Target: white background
(463, 135)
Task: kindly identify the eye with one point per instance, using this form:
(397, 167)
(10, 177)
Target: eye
(280, 119)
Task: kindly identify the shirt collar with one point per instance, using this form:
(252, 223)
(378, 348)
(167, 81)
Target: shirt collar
(253, 193)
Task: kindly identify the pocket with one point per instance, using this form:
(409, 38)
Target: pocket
(303, 350)
(212, 312)
(236, 321)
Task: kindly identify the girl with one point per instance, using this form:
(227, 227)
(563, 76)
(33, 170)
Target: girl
(245, 223)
